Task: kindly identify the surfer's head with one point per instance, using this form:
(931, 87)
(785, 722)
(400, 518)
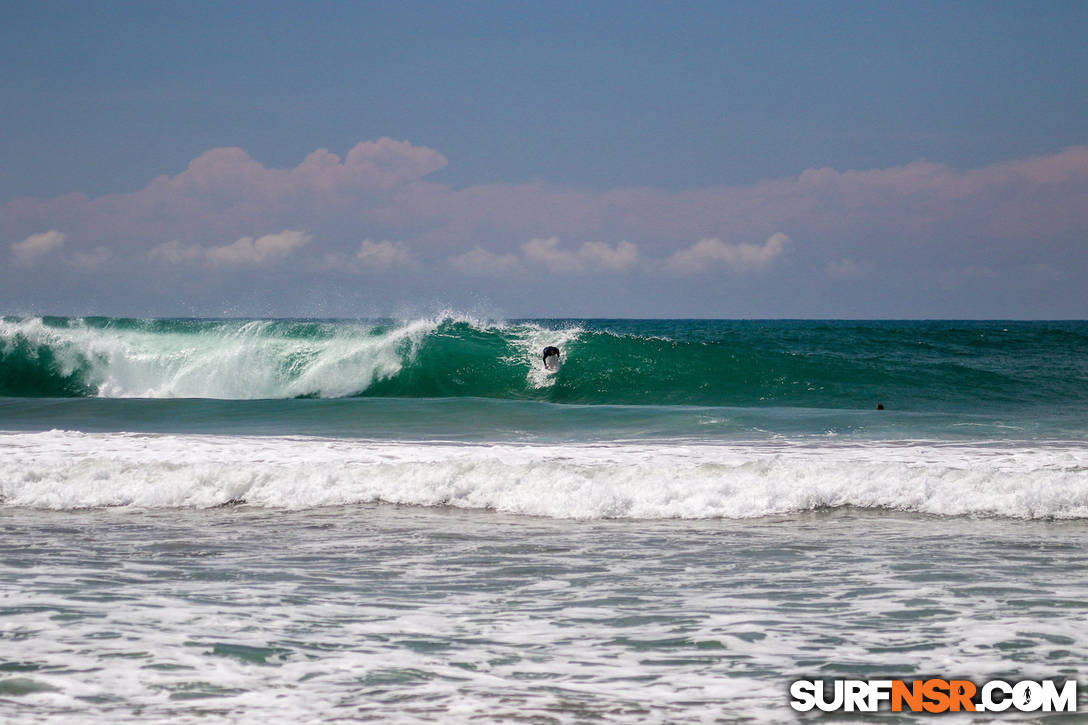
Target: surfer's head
(551, 358)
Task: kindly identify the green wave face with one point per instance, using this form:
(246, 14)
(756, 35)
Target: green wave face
(919, 366)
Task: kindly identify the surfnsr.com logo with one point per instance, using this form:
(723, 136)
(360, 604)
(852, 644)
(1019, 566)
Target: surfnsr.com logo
(933, 695)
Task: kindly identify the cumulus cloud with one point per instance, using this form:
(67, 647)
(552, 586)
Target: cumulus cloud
(262, 250)
(381, 185)
(383, 255)
(928, 217)
(247, 251)
(232, 175)
(388, 162)
(708, 254)
(547, 254)
(371, 257)
(481, 262)
(28, 251)
(590, 257)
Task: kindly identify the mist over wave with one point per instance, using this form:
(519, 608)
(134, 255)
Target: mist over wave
(911, 366)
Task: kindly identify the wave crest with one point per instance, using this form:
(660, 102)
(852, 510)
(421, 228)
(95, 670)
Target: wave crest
(110, 358)
(910, 366)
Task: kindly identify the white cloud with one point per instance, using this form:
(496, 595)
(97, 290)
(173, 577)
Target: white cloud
(590, 257)
(921, 219)
(547, 253)
(30, 249)
(847, 268)
(382, 255)
(706, 254)
(477, 261)
(371, 257)
(536, 253)
(259, 251)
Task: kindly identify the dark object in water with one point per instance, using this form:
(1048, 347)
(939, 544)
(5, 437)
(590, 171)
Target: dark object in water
(553, 353)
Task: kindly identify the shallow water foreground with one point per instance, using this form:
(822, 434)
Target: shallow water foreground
(406, 614)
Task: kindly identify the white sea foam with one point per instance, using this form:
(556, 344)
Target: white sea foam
(419, 615)
(530, 341)
(69, 470)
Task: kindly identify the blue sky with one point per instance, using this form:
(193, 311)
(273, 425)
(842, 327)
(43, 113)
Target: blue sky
(517, 138)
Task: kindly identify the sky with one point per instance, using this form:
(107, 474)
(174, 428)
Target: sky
(545, 159)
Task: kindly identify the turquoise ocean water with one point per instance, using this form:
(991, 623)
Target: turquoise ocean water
(239, 520)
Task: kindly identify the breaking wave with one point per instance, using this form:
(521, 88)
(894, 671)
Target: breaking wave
(605, 362)
(70, 470)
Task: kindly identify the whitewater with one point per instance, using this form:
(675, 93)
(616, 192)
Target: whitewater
(410, 520)
(71, 470)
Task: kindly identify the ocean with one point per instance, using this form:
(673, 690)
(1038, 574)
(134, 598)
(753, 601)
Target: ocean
(412, 521)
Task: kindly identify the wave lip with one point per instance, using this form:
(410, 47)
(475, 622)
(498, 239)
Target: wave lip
(67, 470)
(258, 359)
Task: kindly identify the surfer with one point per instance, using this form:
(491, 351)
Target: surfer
(551, 358)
